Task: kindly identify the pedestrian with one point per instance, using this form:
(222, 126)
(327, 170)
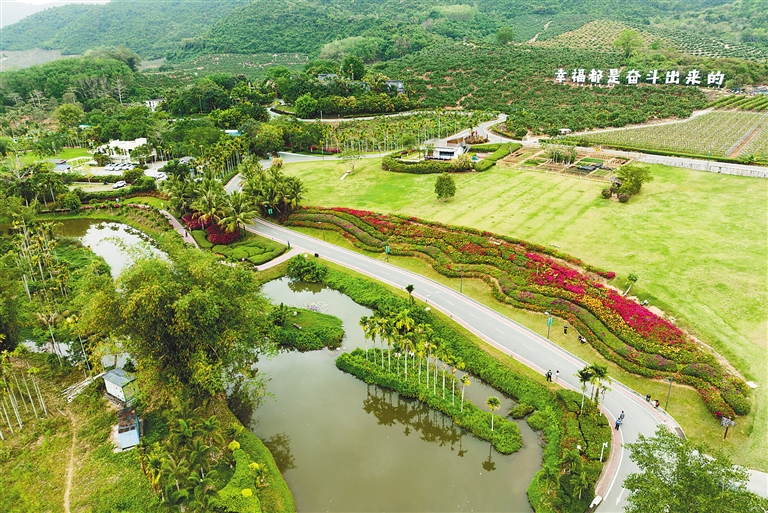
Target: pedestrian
(656, 403)
(621, 417)
(565, 329)
(548, 375)
(618, 423)
(557, 375)
(289, 244)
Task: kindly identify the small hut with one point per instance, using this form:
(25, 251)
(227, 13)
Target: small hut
(127, 428)
(120, 385)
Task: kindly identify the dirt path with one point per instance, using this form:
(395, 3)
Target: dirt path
(70, 466)
(745, 143)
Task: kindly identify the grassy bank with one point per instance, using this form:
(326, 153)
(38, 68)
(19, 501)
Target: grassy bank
(698, 242)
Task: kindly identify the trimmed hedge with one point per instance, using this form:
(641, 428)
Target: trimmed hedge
(393, 163)
(505, 436)
(501, 151)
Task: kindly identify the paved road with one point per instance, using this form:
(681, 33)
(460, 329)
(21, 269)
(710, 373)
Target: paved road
(510, 337)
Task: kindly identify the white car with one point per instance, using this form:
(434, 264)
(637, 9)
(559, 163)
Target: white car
(160, 176)
(119, 185)
(109, 167)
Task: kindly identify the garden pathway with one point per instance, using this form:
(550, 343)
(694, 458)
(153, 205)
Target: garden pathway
(179, 228)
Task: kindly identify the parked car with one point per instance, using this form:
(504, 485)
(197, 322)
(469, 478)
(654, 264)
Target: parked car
(119, 185)
(160, 176)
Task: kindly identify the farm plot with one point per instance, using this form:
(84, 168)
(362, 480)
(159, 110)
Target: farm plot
(717, 133)
(757, 103)
(759, 145)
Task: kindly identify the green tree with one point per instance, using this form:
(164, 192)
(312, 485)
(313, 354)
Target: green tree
(351, 156)
(239, 210)
(445, 186)
(633, 177)
(305, 106)
(632, 279)
(464, 383)
(629, 41)
(493, 404)
(585, 376)
(68, 116)
(505, 35)
(353, 68)
(677, 475)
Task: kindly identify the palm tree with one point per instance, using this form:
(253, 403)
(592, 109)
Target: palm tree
(585, 376)
(464, 383)
(455, 364)
(294, 189)
(367, 325)
(239, 210)
(409, 347)
(599, 376)
(580, 480)
(493, 404)
(209, 205)
(381, 329)
(197, 454)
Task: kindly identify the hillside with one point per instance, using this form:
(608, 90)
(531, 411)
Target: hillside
(148, 28)
(383, 29)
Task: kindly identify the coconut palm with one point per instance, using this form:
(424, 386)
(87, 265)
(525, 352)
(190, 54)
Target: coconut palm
(367, 325)
(239, 211)
(599, 378)
(493, 404)
(464, 383)
(455, 364)
(209, 204)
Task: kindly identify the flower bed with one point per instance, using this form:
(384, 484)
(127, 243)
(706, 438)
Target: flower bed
(537, 278)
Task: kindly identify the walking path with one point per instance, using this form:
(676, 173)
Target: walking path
(179, 228)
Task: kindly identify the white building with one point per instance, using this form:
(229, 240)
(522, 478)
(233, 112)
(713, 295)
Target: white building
(152, 104)
(447, 152)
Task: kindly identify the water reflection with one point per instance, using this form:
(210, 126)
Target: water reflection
(279, 445)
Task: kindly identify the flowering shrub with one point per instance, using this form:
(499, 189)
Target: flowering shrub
(218, 236)
(192, 222)
(537, 278)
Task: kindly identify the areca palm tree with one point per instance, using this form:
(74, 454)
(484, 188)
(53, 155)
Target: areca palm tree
(367, 325)
(493, 404)
(409, 347)
(464, 383)
(599, 379)
(239, 210)
(585, 376)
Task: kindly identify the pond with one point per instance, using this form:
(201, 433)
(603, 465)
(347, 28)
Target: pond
(117, 243)
(343, 445)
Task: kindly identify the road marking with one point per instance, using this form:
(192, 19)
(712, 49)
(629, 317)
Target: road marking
(497, 329)
(473, 315)
(618, 499)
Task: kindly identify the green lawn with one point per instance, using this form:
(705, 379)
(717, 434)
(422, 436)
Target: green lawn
(65, 154)
(698, 242)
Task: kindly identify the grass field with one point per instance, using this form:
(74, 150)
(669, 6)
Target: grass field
(697, 241)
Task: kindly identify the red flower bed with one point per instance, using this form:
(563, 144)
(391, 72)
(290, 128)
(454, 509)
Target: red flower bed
(644, 321)
(192, 222)
(218, 236)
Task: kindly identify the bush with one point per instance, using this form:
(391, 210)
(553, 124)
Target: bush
(218, 236)
(393, 163)
(500, 152)
(305, 269)
(232, 499)
(606, 193)
(521, 410)
(316, 330)
(71, 201)
(623, 197)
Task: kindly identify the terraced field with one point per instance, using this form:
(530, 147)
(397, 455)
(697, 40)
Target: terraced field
(719, 133)
(742, 102)
(596, 35)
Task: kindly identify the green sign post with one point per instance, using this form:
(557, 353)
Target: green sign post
(550, 321)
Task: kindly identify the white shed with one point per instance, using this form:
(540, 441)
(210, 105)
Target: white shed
(447, 152)
(120, 384)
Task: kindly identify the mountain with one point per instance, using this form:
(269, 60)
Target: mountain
(149, 28)
(378, 29)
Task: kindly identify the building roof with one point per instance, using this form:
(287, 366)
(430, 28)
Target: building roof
(119, 377)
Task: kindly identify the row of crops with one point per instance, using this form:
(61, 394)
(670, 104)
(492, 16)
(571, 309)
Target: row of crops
(717, 133)
(742, 102)
(704, 46)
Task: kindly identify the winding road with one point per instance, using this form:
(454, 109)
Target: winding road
(518, 341)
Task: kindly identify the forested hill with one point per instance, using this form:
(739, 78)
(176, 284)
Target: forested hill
(150, 28)
(388, 28)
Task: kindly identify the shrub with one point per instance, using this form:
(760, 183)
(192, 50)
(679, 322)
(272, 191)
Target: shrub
(393, 163)
(316, 330)
(521, 410)
(305, 269)
(232, 499)
(218, 236)
(606, 193)
(623, 197)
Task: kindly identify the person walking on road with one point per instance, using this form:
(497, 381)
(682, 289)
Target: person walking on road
(557, 375)
(548, 376)
(621, 417)
(618, 423)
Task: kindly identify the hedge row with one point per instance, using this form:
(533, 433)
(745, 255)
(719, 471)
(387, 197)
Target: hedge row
(499, 153)
(393, 163)
(563, 431)
(525, 276)
(125, 192)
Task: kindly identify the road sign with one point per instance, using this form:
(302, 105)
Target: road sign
(550, 321)
(386, 249)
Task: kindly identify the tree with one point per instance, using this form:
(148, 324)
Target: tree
(464, 383)
(505, 35)
(305, 106)
(677, 475)
(409, 288)
(585, 376)
(599, 379)
(351, 156)
(493, 404)
(239, 210)
(633, 177)
(445, 186)
(629, 41)
(353, 68)
(68, 116)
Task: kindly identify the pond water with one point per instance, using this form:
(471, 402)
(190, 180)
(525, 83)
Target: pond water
(117, 243)
(343, 445)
